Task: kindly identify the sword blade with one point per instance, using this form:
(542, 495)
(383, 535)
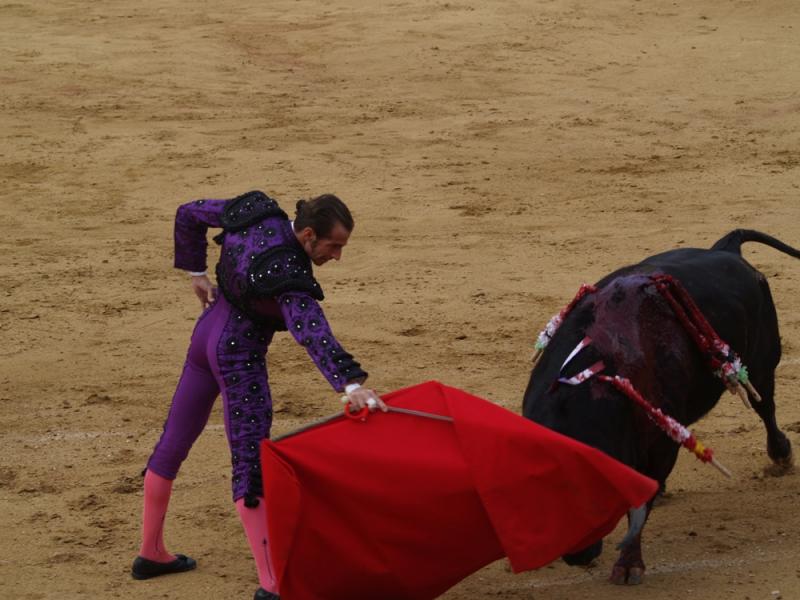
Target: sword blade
(419, 413)
(337, 416)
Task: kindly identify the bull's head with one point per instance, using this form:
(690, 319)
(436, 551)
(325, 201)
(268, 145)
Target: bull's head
(585, 557)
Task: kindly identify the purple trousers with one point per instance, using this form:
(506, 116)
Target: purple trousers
(226, 355)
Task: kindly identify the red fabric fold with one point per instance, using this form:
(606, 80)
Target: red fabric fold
(404, 507)
(546, 494)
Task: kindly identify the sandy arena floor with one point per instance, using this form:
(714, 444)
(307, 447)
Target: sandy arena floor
(496, 155)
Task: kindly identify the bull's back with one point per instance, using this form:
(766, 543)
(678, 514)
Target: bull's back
(731, 294)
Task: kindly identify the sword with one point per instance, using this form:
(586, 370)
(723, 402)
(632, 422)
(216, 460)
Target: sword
(362, 416)
(371, 404)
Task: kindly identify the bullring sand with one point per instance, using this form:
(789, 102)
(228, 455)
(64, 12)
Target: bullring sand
(496, 155)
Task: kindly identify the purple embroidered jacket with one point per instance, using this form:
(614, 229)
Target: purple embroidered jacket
(295, 310)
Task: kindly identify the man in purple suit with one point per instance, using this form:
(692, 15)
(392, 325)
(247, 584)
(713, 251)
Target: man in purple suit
(267, 283)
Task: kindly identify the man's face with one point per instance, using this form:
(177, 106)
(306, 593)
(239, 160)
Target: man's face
(321, 250)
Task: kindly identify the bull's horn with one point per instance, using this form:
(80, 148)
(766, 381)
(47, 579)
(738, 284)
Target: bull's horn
(636, 519)
(756, 396)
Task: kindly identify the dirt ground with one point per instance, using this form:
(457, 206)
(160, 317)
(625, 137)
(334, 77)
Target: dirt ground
(495, 155)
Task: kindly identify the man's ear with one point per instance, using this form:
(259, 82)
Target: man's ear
(307, 234)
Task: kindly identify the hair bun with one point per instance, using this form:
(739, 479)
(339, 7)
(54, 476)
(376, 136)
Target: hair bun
(321, 214)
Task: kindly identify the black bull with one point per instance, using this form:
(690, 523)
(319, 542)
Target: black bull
(635, 332)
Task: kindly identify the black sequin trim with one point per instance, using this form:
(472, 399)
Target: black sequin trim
(248, 209)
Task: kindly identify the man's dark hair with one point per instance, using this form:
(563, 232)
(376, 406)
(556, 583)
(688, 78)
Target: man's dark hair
(321, 214)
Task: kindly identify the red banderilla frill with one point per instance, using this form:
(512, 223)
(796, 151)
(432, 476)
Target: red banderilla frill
(724, 361)
(552, 326)
(667, 424)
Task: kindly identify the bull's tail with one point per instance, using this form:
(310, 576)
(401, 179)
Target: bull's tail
(734, 240)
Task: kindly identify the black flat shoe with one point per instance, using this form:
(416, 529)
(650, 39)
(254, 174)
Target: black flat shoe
(262, 594)
(145, 569)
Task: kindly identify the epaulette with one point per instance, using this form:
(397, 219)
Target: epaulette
(283, 269)
(249, 208)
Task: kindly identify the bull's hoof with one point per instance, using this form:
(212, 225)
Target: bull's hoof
(779, 450)
(627, 575)
(786, 461)
(780, 466)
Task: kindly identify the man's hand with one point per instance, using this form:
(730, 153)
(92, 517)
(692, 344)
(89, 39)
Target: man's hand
(204, 290)
(359, 397)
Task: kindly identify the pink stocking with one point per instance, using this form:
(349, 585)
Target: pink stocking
(255, 527)
(157, 491)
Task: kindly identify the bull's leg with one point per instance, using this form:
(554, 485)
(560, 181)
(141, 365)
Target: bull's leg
(629, 568)
(768, 351)
(779, 448)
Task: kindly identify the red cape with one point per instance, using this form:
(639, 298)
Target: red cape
(404, 507)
